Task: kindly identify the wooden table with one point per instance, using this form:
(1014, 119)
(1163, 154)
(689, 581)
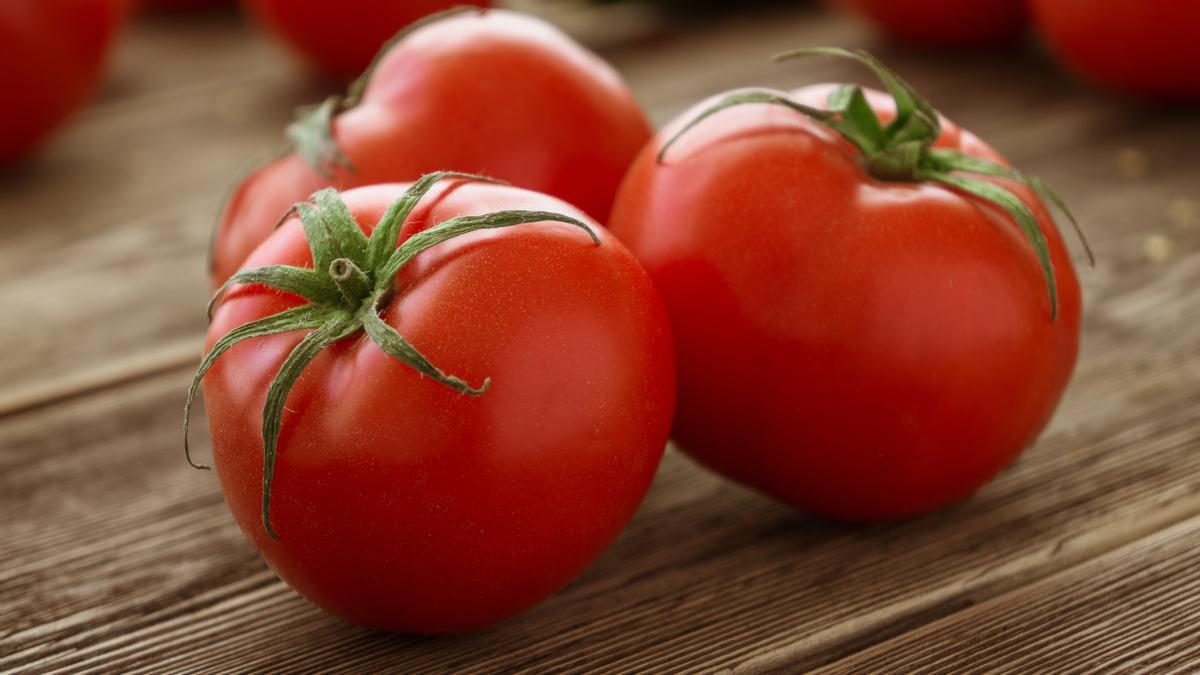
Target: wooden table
(115, 556)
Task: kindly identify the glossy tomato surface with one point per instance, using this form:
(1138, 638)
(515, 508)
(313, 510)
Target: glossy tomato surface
(340, 38)
(1146, 47)
(858, 349)
(403, 505)
(52, 56)
(494, 93)
(945, 23)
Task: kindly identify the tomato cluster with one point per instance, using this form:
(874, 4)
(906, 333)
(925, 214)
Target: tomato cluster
(435, 397)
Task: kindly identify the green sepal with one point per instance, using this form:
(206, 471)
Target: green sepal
(858, 120)
(1020, 212)
(743, 97)
(915, 119)
(393, 344)
(296, 318)
(386, 234)
(316, 231)
(311, 136)
(346, 238)
(953, 160)
(338, 326)
(455, 227)
(306, 283)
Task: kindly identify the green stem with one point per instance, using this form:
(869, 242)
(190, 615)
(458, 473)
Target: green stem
(351, 281)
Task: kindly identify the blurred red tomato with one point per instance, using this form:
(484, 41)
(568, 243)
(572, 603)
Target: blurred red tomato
(341, 38)
(945, 23)
(52, 55)
(1148, 47)
(491, 92)
(185, 5)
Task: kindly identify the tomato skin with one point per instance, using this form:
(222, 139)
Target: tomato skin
(403, 505)
(860, 350)
(186, 5)
(945, 23)
(1145, 47)
(52, 53)
(497, 93)
(341, 38)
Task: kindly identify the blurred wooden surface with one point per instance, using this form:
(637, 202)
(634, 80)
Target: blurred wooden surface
(114, 556)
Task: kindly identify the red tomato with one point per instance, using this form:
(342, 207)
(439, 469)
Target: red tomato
(186, 5)
(1146, 47)
(946, 23)
(404, 505)
(341, 38)
(494, 92)
(52, 55)
(859, 348)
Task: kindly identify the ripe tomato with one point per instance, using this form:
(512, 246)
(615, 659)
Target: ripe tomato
(945, 23)
(186, 5)
(341, 38)
(399, 502)
(1146, 47)
(52, 55)
(492, 92)
(862, 348)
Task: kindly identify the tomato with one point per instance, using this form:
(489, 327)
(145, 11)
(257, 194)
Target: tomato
(341, 38)
(52, 56)
(865, 348)
(945, 23)
(494, 92)
(418, 502)
(186, 5)
(1146, 47)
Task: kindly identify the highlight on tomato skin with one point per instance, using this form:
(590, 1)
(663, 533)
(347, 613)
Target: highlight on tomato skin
(1141, 47)
(944, 23)
(861, 348)
(449, 485)
(340, 38)
(488, 91)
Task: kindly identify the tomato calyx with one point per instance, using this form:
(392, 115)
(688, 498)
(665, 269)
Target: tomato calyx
(352, 279)
(902, 150)
(311, 133)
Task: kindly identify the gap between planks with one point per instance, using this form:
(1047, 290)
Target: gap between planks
(131, 368)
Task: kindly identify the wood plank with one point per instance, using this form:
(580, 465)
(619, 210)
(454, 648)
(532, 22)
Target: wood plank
(1136, 609)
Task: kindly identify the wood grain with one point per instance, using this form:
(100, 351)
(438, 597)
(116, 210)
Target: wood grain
(104, 236)
(117, 557)
(1133, 610)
